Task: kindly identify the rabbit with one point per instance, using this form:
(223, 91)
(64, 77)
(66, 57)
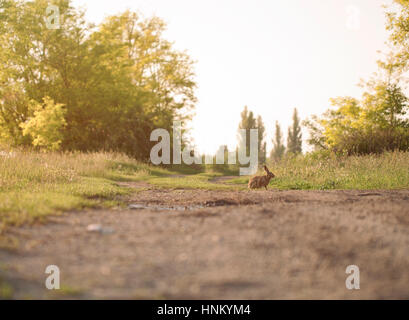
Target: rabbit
(261, 181)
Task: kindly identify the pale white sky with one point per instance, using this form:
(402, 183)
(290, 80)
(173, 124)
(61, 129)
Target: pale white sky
(272, 55)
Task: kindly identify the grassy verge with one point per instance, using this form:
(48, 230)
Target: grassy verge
(175, 177)
(6, 291)
(325, 171)
(34, 185)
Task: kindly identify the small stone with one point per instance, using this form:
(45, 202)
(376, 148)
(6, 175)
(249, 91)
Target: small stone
(98, 228)
(94, 228)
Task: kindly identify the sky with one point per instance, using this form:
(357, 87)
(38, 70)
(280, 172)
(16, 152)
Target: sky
(271, 55)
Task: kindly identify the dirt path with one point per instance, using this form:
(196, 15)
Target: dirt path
(222, 179)
(222, 244)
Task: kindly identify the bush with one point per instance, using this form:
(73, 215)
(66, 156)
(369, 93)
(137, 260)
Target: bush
(375, 124)
(46, 124)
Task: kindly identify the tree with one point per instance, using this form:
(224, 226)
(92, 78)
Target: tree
(316, 137)
(118, 82)
(261, 143)
(294, 139)
(222, 154)
(371, 125)
(249, 121)
(46, 124)
(278, 146)
(13, 111)
(378, 121)
(397, 24)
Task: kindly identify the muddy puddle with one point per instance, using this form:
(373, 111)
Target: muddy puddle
(207, 204)
(164, 208)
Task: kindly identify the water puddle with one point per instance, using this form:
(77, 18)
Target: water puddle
(207, 204)
(164, 208)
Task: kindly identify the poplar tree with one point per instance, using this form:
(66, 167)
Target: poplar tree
(278, 146)
(294, 139)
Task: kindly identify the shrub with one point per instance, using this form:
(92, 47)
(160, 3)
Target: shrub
(46, 124)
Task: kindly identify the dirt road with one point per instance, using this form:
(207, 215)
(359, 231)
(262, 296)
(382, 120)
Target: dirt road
(222, 244)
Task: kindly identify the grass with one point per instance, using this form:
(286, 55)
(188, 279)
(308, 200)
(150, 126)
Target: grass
(65, 292)
(35, 185)
(326, 171)
(183, 178)
(198, 181)
(6, 291)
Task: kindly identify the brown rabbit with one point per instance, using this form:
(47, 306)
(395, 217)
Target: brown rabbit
(261, 181)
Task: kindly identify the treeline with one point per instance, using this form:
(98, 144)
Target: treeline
(378, 121)
(107, 87)
(86, 87)
(294, 137)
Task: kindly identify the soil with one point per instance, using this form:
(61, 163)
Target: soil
(199, 244)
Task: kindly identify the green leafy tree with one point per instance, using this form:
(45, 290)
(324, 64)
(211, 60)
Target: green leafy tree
(373, 124)
(316, 137)
(118, 82)
(397, 24)
(294, 138)
(13, 111)
(46, 124)
(378, 121)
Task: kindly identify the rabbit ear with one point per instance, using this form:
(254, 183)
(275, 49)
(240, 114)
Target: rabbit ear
(266, 169)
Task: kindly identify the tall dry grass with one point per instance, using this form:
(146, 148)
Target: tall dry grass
(33, 185)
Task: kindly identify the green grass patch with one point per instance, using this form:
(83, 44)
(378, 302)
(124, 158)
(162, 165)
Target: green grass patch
(65, 292)
(199, 181)
(326, 171)
(35, 185)
(6, 291)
